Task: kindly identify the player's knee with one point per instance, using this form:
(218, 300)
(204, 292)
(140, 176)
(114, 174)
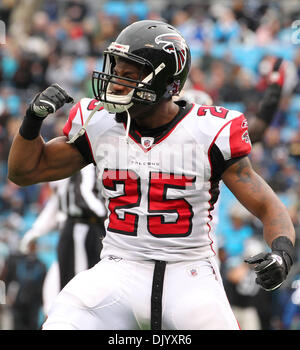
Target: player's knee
(204, 312)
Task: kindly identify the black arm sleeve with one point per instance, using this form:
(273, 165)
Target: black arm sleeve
(219, 164)
(83, 147)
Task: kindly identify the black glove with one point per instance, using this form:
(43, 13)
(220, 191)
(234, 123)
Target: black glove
(49, 101)
(44, 103)
(272, 268)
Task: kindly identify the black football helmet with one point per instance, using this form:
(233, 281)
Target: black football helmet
(162, 55)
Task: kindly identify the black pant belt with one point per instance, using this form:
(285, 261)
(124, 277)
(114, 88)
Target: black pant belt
(157, 293)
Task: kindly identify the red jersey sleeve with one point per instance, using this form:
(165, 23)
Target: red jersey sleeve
(68, 126)
(72, 126)
(233, 138)
(239, 140)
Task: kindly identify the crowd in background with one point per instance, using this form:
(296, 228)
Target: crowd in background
(232, 45)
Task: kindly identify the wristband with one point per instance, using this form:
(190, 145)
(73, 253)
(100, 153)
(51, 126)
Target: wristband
(31, 126)
(283, 243)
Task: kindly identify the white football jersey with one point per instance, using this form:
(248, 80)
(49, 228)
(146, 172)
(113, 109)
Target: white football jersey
(160, 191)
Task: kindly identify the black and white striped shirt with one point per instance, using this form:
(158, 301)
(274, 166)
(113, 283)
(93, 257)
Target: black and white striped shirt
(79, 195)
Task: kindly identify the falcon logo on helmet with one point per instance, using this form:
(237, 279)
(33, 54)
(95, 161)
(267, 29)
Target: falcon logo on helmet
(174, 44)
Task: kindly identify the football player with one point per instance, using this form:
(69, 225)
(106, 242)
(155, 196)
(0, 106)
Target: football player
(160, 164)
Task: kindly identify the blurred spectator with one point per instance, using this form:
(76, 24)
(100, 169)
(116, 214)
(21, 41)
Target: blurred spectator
(24, 276)
(291, 306)
(251, 305)
(234, 235)
(269, 27)
(226, 28)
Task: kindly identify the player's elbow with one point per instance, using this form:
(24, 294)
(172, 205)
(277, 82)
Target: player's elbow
(19, 179)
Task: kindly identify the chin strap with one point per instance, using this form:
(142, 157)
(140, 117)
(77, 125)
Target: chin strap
(128, 125)
(84, 126)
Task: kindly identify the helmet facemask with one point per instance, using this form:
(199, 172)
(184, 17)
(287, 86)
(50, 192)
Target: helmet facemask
(141, 91)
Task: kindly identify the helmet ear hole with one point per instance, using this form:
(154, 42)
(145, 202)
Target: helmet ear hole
(175, 88)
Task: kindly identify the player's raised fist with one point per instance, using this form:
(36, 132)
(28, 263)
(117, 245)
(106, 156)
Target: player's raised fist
(49, 101)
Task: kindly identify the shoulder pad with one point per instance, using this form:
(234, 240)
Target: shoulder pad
(80, 112)
(228, 129)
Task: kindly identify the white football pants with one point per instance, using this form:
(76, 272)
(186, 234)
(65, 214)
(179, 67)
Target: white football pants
(116, 294)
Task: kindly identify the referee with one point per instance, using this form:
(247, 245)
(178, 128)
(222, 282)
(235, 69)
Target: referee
(77, 208)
